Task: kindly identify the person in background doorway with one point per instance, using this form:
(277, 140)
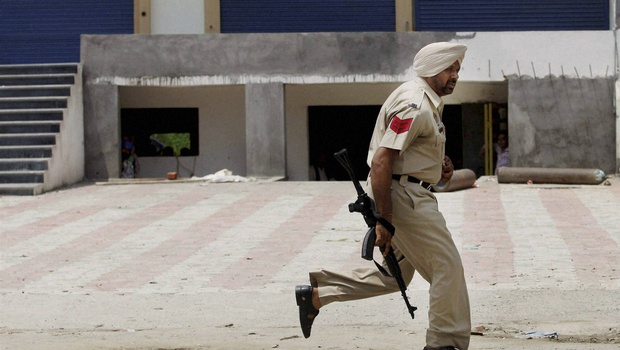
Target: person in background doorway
(129, 158)
(318, 171)
(501, 150)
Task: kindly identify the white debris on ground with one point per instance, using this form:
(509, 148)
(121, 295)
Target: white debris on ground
(223, 175)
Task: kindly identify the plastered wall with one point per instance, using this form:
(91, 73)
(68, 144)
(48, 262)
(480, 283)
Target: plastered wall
(221, 123)
(265, 64)
(562, 122)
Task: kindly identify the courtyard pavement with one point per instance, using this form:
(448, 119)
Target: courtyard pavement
(199, 265)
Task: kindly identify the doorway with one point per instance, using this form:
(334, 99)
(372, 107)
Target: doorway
(481, 123)
(332, 128)
(453, 121)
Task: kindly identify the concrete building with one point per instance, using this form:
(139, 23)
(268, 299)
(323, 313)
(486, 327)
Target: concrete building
(268, 103)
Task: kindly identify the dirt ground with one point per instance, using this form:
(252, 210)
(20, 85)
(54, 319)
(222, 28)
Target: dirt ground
(152, 266)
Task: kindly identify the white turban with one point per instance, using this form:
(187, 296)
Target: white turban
(435, 57)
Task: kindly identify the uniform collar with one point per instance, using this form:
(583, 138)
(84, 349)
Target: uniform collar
(432, 95)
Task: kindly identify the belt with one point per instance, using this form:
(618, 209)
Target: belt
(414, 180)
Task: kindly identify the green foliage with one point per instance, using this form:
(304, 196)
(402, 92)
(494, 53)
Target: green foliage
(175, 140)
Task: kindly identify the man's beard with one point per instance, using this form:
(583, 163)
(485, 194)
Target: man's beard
(449, 87)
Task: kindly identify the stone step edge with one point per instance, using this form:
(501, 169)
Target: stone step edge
(32, 110)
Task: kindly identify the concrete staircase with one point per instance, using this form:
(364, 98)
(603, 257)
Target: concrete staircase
(41, 128)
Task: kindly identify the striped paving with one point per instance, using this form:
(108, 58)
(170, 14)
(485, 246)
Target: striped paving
(194, 237)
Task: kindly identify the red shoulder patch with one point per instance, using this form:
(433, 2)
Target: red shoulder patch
(400, 126)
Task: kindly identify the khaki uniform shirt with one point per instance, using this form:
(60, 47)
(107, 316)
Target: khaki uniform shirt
(410, 122)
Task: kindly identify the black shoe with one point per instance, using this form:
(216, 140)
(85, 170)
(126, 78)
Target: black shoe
(441, 348)
(307, 312)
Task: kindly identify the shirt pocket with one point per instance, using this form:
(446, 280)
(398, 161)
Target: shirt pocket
(440, 135)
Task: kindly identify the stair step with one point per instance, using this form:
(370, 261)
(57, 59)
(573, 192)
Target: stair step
(26, 151)
(32, 102)
(22, 176)
(35, 90)
(12, 164)
(37, 79)
(43, 114)
(27, 139)
(54, 68)
(21, 189)
(29, 127)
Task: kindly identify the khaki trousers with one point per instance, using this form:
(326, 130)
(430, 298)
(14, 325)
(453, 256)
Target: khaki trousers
(422, 242)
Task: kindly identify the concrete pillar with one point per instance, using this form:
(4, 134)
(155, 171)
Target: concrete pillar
(617, 103)
(617, 84)
(265, 130)
(142, 16)
(404, 15)
(213, 21)
(102, 118)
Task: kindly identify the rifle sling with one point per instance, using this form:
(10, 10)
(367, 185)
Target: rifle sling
(382, 269)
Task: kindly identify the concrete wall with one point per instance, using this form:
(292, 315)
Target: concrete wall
(617, 104)
(66, 167)
(265, 131)
(562, 123)
(203, 60)
(221, 120)
(293, 60)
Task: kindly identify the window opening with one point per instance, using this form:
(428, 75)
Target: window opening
(161, 132)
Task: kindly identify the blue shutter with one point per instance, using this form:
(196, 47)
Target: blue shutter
(34, 31)
(511, 15)
(298, 16)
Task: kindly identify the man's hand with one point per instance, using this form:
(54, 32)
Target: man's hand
(384, 237)
(447, 169)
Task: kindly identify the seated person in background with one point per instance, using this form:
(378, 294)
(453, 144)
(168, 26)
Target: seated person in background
(129, 158)
(501, 149)
(318, 171)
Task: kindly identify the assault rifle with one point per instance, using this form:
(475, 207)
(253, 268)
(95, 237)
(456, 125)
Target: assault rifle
(366, 206)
